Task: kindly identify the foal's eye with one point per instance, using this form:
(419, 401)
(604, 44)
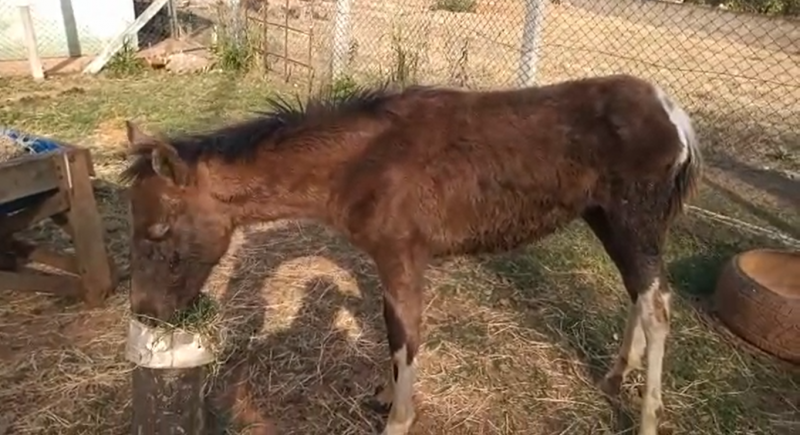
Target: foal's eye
(174, 261)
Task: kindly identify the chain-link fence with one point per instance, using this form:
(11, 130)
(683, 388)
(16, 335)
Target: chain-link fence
(75, 28)
(735, 64)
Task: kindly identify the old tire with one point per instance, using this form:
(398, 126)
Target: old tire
(758, 298)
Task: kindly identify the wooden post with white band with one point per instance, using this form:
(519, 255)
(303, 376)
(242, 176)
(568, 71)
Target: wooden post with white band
(168, 381)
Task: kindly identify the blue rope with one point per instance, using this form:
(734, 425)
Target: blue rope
(30, 143)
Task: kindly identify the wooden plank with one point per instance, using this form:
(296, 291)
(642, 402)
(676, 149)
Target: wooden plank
(117, 43)
(50, 206)
(34, 282)
(37, 71)
(27, 176)
(30, 253)
(168, 401)
(69, 148)
(94, 264)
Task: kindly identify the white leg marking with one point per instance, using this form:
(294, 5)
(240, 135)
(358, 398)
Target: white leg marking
(638, 344)
(630, 352)
(386, 394)
(402, 414)
(654, 312)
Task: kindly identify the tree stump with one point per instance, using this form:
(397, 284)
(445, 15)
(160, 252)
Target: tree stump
(169, 380)
(168, 401)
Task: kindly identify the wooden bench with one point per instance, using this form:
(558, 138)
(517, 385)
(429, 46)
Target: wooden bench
(58, 186)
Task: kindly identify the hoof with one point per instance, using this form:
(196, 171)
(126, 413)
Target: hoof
(375, 404)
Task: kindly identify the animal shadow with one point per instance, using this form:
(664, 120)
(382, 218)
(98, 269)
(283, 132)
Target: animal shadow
(526, 270)
(311, 374)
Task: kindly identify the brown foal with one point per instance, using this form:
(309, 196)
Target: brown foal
(412, 175)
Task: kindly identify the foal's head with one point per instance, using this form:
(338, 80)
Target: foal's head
(179, 230)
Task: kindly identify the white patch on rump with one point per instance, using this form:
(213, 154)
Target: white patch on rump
(682, 122)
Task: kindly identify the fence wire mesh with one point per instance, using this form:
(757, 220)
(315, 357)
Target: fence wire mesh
(735, 64)
(738, 72)
(79, 28)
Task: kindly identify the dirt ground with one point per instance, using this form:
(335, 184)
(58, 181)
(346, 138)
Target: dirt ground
(51, 66)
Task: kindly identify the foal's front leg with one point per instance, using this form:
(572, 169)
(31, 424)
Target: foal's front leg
(402, 311)
(645, 335)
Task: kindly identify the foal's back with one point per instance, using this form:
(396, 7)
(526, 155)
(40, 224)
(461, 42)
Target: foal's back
(467, 172)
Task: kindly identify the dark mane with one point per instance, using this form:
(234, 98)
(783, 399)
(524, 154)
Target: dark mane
(242, 139)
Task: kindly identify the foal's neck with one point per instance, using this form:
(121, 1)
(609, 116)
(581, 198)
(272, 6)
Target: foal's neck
(287, 183)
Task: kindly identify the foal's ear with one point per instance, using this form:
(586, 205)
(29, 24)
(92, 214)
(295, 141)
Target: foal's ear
(168, 165)
(136, 137)
(163, 156)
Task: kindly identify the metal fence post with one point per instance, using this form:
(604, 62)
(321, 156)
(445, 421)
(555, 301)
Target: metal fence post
(174, 25)
(531, 42)
(341, 38)
(236, 20)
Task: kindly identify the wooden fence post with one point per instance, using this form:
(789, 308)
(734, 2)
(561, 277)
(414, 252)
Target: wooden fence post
(169, 380)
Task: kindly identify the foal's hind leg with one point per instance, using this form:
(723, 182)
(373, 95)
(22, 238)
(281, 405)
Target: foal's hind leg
(637, 255)
(402, 278)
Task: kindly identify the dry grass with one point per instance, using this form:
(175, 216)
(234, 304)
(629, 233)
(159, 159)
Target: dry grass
(9, 149)
(514, 342)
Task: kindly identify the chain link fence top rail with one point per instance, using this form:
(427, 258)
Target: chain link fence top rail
(737, 72)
